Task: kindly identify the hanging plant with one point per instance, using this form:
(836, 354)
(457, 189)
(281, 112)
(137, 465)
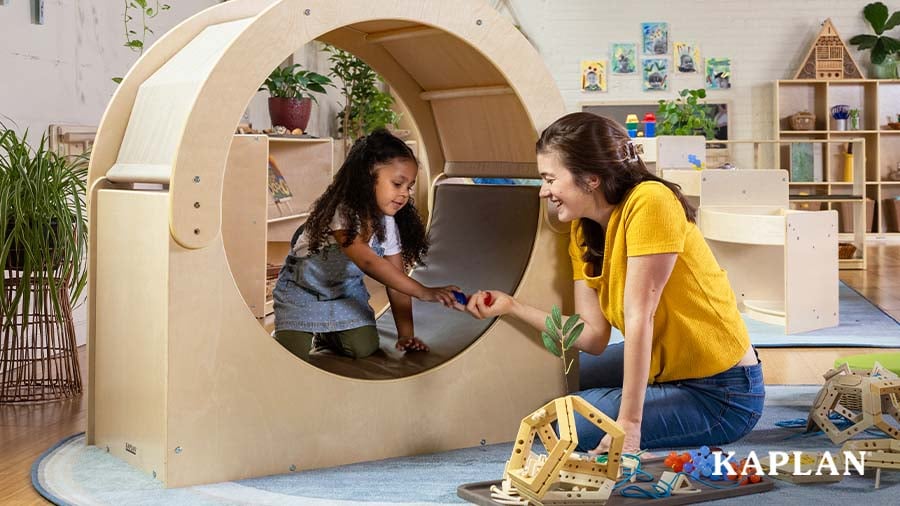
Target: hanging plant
(135, 35)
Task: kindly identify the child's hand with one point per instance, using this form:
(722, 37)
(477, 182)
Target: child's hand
(410, 344)
(488, 304)
(442, 294)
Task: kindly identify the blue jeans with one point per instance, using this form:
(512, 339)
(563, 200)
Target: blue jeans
(691, 413)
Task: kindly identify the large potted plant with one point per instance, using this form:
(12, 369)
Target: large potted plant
(882, 46)
(43, 245)
(685, 115)
(366, 107)
(291, 94)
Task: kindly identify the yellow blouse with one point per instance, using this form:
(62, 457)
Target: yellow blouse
(697, 329)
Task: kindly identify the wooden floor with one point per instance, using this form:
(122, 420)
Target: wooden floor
(27, 431)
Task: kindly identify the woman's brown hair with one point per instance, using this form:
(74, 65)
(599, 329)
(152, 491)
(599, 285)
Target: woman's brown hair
(588, 144)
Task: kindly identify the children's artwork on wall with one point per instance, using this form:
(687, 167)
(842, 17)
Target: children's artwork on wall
(655, 74)
(593, 75)
(623, 58)
(718, 73)
(687, 57)
(655, 38)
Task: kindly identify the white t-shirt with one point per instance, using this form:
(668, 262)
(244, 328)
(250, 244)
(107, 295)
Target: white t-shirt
(391, 242)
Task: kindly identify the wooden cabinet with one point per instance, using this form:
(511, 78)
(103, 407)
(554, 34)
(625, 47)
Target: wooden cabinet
(879, 104)
(256, 229)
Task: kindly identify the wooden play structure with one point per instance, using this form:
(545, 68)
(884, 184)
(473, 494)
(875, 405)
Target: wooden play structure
(184, 382)
(782, 264)
(865, 398)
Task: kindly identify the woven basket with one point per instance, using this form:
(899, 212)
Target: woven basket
(803, 120)
(846, 250)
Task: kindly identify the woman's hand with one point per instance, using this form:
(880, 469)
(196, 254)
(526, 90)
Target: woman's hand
(410, 344)
(490, 303)
(632, 439)
(442, 294)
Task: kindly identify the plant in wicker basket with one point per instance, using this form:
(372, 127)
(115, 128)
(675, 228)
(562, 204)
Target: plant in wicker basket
(43, 246)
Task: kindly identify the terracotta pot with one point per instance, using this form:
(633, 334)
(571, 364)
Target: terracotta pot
(290, 113)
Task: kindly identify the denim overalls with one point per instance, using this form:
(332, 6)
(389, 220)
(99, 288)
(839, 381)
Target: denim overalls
(322, 292)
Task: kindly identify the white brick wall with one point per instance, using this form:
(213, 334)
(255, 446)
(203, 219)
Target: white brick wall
(765, 39)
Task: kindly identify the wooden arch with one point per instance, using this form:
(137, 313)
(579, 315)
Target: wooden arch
(184, 384)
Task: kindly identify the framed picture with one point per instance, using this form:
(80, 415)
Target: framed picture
(687, 58)
(623, 58)
(593, 75)
(655, 74)
(718, 73)
(655, 38)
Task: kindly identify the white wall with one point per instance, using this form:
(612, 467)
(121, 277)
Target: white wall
(766, 40)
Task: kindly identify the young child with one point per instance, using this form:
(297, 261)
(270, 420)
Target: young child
(364, 223)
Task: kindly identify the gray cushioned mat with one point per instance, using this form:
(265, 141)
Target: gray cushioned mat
(481, 238)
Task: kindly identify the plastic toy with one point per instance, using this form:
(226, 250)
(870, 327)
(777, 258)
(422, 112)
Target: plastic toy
(631, 124)
(460, 297)
(649, 125)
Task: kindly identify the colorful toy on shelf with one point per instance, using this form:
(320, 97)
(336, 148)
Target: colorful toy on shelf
(862, 397)
(649, 125)
(631, 124)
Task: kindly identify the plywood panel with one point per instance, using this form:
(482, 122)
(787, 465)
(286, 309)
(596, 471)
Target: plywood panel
(443, 61)
(132, 304)
(481, 129)
(811, 271)
(244, 198)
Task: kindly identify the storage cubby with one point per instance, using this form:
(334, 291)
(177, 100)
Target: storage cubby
(878, 101)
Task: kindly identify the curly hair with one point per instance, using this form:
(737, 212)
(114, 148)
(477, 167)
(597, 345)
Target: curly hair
(352, 194)
(588, 144)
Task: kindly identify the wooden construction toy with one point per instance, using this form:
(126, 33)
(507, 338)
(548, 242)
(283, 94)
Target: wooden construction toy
(185, 384)
(801, 472)
(862, 397)
(879, 454)
(561, 476)
(828, 58)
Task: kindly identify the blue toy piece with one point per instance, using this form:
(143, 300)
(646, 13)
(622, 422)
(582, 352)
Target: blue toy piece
(461, 297)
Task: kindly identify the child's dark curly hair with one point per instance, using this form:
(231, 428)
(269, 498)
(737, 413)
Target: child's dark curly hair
(352, 194)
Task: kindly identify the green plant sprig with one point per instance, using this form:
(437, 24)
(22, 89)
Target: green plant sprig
(558, 337)
(686, 115)
(134, 39)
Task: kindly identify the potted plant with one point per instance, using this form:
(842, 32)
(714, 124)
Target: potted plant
(882, 46)
(366, 107)
(685, 115)
(43, 246)
(291, 95)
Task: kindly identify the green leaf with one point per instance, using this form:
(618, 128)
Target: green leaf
(550, 344)
(573, 336)
(142, 3)
(893, 21)
(570, 322)
(117, 79)
(557, 316)
(864, 41)
(134, 43)
(548, 323)
(876, 14)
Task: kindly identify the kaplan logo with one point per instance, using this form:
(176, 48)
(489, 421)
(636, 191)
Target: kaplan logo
(130, 448)
(778, 463)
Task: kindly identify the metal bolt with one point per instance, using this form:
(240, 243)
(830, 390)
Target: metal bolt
(196, 231)
(483, 442)
(478, 22)
(196, 205)
(177, 450)
(154, 474)
(307, 12)
(293, 468)
(107, 449)
(196, 179)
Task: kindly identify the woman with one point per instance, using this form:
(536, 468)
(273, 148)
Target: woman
(686, 374)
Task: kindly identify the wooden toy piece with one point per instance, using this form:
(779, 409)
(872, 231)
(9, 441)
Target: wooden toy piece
(561, 477)
(879, 454)
(801, 472)
(864, 398)
(676, 483)
(828, 58)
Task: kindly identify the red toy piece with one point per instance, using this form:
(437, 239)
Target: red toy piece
(488, 300)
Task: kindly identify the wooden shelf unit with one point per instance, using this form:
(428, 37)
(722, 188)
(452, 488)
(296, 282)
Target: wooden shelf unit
(879, 103)
(256, 230)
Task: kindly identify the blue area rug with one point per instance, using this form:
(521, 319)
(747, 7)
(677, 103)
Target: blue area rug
(862, 324)
(72, 473)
